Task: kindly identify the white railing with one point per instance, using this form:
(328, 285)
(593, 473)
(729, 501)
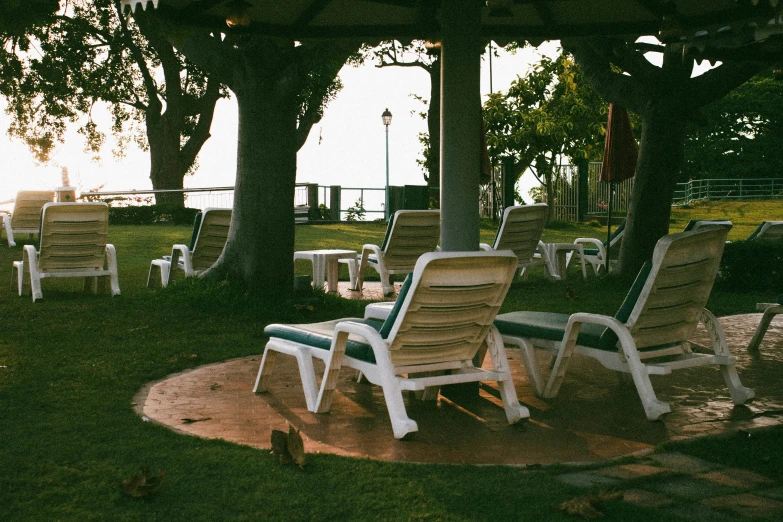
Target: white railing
(751, 188)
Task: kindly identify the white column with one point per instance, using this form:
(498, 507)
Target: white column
(460, 124)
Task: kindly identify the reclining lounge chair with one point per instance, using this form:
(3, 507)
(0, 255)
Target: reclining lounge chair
(210, 231)
(649, 334)
(72, 244)
(441, 318)
(410, 234)
(26, 215)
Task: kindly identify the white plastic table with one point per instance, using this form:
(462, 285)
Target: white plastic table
(326, 262)
(557, 256)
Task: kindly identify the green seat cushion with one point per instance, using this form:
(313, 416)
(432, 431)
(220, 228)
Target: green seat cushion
(551, 326)
(319, 335)
(591, 251)
(780, 299)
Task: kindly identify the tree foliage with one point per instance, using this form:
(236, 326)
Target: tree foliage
(91, 53)
(666, 98)
(550, 114)
(16, 16)
(741, 133)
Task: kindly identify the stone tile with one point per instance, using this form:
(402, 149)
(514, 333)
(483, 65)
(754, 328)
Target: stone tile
(587, 479)
(690, 488)
(735, 478)
(642, 497)
(748, 505)
(631, 471)
(680, 463)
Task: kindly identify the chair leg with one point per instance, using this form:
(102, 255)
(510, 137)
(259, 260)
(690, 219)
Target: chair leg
(306, 370)
(532, 367)
(761, 329)
(9, 233)
(497, 353)
(402, 425)
(653, 408)
(31, 277)
(739, 393)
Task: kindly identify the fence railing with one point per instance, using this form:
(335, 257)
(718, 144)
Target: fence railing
(750, 188)
(309, 197)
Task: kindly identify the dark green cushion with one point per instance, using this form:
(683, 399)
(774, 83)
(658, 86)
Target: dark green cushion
(591, 251)
(315, 335)
(780, 299)
(550, 326)
(389, 322)
(692, 223)
(545, 325)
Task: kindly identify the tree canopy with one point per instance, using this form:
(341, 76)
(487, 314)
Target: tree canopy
(92, 53)
(16, 16)
(549, 114)
(666, 98)
(741, 133)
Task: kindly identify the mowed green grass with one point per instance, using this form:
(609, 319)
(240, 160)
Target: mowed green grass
(71, 364)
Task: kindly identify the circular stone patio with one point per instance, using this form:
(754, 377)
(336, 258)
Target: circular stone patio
(597, 414)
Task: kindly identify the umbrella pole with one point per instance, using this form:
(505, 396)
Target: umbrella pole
(609, 225)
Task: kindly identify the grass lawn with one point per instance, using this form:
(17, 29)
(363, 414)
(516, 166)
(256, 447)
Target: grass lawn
(71, 364)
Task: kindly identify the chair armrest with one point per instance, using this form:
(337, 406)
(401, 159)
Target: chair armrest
(484, 246)
(181, 251)
(378, 310)
(593, 242)
(360, 329)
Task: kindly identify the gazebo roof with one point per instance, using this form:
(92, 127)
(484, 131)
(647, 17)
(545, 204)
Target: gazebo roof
(534, 20)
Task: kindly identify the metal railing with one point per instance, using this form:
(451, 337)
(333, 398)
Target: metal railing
(750, 188)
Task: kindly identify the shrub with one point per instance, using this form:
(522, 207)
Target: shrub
(152, 214)
(752, 266)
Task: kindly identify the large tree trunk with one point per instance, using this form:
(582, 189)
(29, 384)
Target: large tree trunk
(166, 171)
(260, 243)
(657, 173)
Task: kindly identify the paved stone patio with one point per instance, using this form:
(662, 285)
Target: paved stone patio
(596, 416)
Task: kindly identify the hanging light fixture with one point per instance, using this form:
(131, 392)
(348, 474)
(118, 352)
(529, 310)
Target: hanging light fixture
(238, 14)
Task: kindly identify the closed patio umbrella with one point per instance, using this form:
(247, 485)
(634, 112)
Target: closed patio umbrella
(620, 155)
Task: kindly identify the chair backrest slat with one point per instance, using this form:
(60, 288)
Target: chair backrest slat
(677, 288)
(521, 229)
(73, 236)
(27, 209)
(212, 235)
(413, 233)
(451, 306)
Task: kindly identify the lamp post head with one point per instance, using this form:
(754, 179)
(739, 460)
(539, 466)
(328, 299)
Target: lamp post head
(386, 117)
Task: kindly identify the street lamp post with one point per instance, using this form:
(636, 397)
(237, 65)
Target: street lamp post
(387, 117)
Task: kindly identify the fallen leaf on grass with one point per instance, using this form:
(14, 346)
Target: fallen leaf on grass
(288, 447)
(143, 484)
(590, 506)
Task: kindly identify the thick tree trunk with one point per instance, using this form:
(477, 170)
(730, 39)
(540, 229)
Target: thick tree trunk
(260, 246)
(657, 172)
(166, 171)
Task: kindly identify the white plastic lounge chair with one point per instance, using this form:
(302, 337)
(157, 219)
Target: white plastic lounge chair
(441, 318)
(410, 234)
(649, 334)
(25, 218)
(697, 225)
(770, 310)
(520, 231)
(210, 231)
(768, 231)
(595, 251)
(72, 244)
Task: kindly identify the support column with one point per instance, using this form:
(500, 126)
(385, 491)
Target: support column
(460, 125)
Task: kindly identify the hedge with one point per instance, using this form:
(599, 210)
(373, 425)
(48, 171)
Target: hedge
(752, 266)
(152, 214)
